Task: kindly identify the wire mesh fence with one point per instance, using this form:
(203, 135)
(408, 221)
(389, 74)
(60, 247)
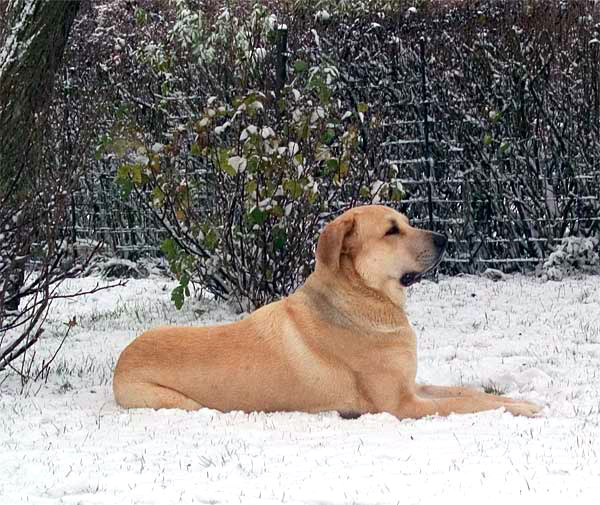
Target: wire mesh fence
(100, 213)
(492, 117)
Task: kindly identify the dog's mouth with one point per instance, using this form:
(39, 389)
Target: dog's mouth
(410, 278)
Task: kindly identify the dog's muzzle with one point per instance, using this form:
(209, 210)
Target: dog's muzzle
(439, 241)
(410, 278)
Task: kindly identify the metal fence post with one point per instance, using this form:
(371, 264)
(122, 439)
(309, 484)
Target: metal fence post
(427, 157)
(281, 58)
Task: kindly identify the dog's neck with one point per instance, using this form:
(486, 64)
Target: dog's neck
(346, 302)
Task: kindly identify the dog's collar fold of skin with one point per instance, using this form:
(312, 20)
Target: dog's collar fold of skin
(384, 311)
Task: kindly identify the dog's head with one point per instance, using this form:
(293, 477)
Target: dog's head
(380, 247)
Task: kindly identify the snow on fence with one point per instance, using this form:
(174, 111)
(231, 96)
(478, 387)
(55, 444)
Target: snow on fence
(100, 213)
(489, 223)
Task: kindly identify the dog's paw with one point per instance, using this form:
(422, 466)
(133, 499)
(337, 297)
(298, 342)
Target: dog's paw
(523, 408)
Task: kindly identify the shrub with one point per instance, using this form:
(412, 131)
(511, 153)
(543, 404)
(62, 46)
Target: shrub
(262, 174)
(572, 255)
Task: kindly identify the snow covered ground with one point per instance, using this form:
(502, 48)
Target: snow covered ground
(65, 441)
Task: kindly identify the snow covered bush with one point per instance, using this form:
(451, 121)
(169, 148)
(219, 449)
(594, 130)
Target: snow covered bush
(573, 255)
(35, 259)
(262, 176)
(250, 169)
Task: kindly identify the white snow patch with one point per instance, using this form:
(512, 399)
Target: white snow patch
(66, 441)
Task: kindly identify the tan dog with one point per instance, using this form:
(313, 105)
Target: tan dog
(341, 342)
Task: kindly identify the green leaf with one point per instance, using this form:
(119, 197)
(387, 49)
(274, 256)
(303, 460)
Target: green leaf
(158, 196)
(316, 82)
(123, 172)
(184, 280)
(119, 147)
(324, 94)
(293, 189)
(126, 186)
(210, 239)
(178, 296)
(396, 195)
(136, 173)
(300, 66)
(251, 187)
(140, 16)
(279, 239)
(224, 164)
(332, 165)
(250, 98)
(487, 139)
(124, 180)
(131, 173)
(328, 136)
(169, 248)
(257, 216)
(196, 150)
(303, 130)
(362, 107)
(253, 164)
(344, 168)
(277, 211)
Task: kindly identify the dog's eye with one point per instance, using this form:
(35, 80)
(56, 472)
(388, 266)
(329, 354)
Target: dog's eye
(394, 230)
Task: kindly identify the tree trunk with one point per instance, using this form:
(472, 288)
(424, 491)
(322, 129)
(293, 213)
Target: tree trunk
(36, 36)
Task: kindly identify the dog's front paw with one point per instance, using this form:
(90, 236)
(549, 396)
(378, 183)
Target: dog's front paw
(523, 408)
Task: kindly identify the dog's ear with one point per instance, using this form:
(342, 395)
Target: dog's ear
(331, 242)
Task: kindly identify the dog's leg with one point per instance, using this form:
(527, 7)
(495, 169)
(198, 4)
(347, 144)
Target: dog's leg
(426, 391)
(146, 395)
(416, 407)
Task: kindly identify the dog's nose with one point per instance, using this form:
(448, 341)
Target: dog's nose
(440, 241)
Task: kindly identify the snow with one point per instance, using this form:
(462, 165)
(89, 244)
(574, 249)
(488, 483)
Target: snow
(65, 441)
